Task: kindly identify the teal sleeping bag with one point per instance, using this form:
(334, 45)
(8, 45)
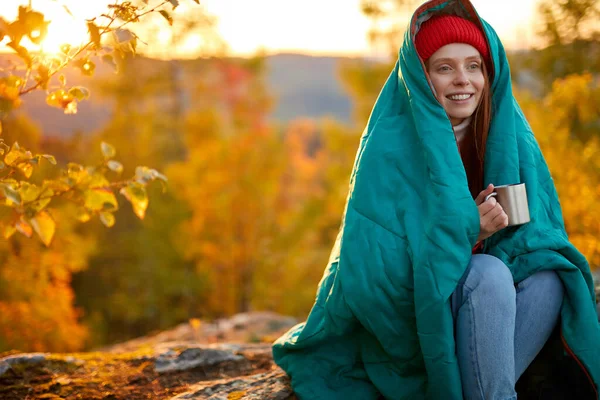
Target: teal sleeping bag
(381, 324)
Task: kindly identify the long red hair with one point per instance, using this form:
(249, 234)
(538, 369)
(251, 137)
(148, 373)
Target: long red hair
(473, 148)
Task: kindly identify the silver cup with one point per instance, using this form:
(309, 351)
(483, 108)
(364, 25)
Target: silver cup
(513, 199)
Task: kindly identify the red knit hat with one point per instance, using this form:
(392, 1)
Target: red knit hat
(445, 29)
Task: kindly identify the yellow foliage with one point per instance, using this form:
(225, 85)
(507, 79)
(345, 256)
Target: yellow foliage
(575, 165)
(37, 310)
(265, 211)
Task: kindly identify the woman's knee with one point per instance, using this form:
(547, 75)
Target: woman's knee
(546, 284)
(490, 275)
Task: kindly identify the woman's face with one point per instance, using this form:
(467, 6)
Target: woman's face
(457, 76)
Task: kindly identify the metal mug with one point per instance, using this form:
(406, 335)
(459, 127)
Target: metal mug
(513, 199)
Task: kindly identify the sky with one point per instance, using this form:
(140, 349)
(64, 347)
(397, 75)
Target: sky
(334, 27)
(337, 26)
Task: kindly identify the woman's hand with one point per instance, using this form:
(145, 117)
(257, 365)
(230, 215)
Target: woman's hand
(492, 217)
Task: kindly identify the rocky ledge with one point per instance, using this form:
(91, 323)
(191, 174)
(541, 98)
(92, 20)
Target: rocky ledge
(226, 360)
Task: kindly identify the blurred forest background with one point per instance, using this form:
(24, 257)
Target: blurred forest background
(258, 152)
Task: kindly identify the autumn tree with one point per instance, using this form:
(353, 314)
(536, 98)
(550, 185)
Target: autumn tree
(87, 187)
(37, 304)
(570, 38)
(578, 180)
(137, 280)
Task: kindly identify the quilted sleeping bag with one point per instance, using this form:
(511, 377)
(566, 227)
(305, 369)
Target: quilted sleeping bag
(381, 323)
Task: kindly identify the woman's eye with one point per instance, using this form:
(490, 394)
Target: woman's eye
(444, 68)
(474, 66)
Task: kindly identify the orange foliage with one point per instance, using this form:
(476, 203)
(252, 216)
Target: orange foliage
(265, 211)
(569, 111)
(36, 300)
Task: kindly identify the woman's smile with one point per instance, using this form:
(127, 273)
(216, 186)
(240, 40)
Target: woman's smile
(460, 98)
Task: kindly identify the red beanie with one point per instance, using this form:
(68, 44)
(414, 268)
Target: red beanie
(445, 29)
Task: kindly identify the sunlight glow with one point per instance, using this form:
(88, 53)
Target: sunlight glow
(334, 27)
(64, 28)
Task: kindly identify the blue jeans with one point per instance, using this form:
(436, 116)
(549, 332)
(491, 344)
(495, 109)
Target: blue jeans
(500, 327)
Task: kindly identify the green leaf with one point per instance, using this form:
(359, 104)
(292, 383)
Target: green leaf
(11, 194)
(36, 197)
(157, 175)
(86, 66)
(26, 169)
(56, 185)
(143, 175)
(175, 3)
(29, 192)
(76, 173)
(43, 76)
(22, 52)
(32, 24)
(4, 28)
(108, 150)
(115, 166)
(94, 34)
(167, 16)
(15, 155)
(59, 98)
(108, 219)
(44, 226)
(100, 199)
(137, 196)
(50, 158)
(79, 92)
(96, 179)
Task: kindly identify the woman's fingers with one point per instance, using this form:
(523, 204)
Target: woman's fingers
(500, 221)
(481, 197)
(488, 206)
(494, 219)
(491, 214)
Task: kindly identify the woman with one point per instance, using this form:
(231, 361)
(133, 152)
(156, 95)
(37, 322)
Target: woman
(499, 330)
(428, 294)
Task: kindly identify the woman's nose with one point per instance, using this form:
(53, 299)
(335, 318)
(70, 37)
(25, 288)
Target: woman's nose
(461, 78)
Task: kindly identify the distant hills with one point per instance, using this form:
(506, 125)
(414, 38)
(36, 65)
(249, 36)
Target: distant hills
(306, 86)
(303, 86)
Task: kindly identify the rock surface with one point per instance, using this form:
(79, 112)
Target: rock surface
(266, 386)
(225, 360)
(187, 362)
(193, 357)
(20, 359)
